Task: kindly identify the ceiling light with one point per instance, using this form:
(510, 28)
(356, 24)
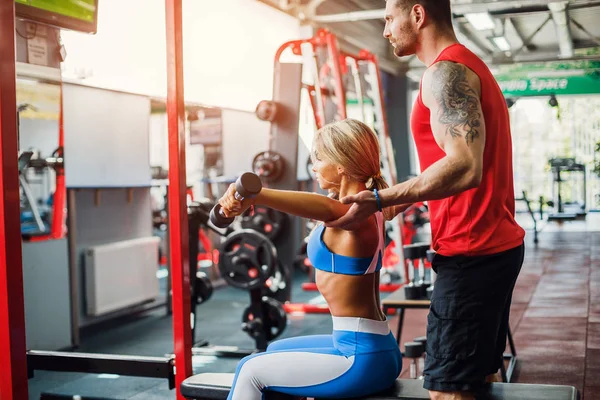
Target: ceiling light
(481, 21)
(501, 43)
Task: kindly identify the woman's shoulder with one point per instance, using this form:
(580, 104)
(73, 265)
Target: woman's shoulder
(366, 228)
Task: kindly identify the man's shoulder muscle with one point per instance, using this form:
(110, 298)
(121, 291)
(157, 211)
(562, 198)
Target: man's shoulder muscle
(448, 77)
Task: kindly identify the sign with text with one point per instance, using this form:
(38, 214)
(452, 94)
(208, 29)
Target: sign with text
(559, 78)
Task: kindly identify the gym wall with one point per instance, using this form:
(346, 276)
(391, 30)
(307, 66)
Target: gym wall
(107, 170)
(106, 138)
(244, 136)
(227, 64)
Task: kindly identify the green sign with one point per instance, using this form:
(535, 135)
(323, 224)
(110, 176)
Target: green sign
(559, 78)
(84, 10)
(77, 15)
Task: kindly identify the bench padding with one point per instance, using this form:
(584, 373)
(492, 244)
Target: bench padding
(216, 387)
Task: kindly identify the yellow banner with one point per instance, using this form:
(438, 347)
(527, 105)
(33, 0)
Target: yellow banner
(44, 97)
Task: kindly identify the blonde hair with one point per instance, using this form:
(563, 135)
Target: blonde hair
(354, 146)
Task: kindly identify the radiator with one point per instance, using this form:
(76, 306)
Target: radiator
(120, 274)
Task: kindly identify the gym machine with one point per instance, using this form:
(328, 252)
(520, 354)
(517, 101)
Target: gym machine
(29, 205)
(572, 210)
(248, 260)
(532, 214)
(54, 228)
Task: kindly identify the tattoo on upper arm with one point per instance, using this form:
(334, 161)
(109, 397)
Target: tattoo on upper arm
(459, 104)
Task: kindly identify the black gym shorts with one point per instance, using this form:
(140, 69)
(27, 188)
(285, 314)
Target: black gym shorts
(468, 319)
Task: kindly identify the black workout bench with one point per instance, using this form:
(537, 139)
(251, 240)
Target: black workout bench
(216, 387)
(398, 301)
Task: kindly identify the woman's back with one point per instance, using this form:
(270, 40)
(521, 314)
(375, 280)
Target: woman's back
(347, 267)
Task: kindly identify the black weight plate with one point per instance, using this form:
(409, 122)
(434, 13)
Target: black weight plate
(247, 259)
(265, 220)
(204, 287)
(274, 318)
(268, 165)
(413, 292)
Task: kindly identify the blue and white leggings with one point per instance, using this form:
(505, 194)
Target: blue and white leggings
(360, 357)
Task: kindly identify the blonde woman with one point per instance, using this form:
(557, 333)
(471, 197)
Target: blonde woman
(361, 355)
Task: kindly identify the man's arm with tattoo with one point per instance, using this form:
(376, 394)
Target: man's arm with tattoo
(452, 93)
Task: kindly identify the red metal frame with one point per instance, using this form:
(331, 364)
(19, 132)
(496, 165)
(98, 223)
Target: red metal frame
(59, 206)
(178, 223)
(334, 58)
(58, 228)
(322, 38)
(306, 308)
(383, 288)
(13, 378)
(313, 104)
(207, 245)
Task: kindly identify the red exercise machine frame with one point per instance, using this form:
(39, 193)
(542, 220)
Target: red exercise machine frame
(13, 357)
(337, 66)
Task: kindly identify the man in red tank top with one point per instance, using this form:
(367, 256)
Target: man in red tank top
(461, 129)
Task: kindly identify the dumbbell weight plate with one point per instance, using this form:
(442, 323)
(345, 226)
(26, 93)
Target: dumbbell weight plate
(430, 255)
(275, 318)
(204, 288)
(268, 165)
(422, 340)
(219, 220)
(429, 292)
(413, 349)
(416, 251)
(247, 259)
(265, 220)
(412, 292)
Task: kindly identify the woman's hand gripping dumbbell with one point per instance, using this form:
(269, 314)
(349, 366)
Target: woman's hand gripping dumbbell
(239, 196)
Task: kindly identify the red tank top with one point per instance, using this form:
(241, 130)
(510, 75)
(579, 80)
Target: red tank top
(479, 221)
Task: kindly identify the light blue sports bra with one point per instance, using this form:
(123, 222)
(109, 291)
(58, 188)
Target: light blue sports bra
(323, 259)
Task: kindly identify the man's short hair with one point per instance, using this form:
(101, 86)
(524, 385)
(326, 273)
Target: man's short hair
(438, 10)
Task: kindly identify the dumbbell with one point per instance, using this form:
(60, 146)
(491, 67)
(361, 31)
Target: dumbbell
(413, 351)
(429, 291)
(423, 341)
(415, 254)
(246, 186)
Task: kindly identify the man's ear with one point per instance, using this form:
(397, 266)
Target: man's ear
(418, 15)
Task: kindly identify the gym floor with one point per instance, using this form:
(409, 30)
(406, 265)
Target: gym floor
(555, 322)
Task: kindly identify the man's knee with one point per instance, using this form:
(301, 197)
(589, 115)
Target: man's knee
(435, 395)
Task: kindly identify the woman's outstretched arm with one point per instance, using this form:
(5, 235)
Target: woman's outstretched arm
(302, 204)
